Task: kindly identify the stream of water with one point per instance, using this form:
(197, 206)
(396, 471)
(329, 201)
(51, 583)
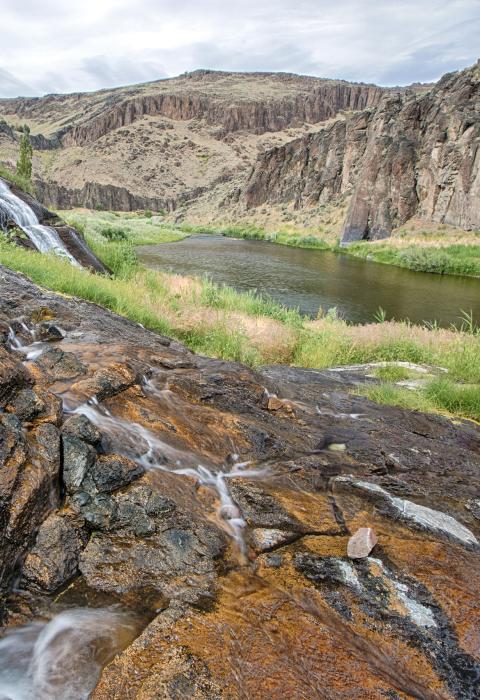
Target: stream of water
(44, 238)
(310, 279)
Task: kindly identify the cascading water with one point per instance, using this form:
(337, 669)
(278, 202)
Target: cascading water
(44, 238)
(138, 443)
(62, 658)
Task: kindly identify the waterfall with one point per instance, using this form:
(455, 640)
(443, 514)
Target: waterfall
(44, 238)
(62, 659)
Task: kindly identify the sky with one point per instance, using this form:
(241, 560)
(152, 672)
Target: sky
(54, 46)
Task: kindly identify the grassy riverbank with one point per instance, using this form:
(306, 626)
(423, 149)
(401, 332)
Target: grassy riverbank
(423, 247)
(417, 246)
(218, 321)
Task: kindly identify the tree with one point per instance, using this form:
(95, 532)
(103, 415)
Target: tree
(24, 162)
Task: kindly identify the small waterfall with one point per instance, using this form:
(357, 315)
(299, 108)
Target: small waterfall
(138, 443)
(44, 238)
(62, 658)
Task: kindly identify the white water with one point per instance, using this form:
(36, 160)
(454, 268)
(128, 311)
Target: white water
(44, 238)
(140, 444)
(61, 659)
(31, 351)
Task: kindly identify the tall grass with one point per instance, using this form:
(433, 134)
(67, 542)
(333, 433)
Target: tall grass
(15, 179)
(136, 227)
(451, 259)
(218, 321)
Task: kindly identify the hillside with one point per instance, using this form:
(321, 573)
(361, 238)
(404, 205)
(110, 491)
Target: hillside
(347, 159)
(158, 144)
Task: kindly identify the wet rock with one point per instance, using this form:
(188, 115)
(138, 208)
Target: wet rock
(473, 505)
(262, 510)
(78, 457)
(138, 510)
(265, 539)
(45, 448)
(361, 543)
(178, 559)
(26, 405)
(59, 364)
(47, 331)
(28, 488)
(111, 472)
(107, 382)
(13, 375)
(412, 513)
(301, 618)
(53, 560)
(81, 427)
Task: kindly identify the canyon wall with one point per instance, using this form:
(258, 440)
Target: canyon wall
(252, 115)
(413, 155)
(95, 195)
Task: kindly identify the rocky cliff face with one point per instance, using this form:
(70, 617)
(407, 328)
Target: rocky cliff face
(290, 101)
(237, 571)
(94, 195)
(158, 145)
(211, 140)
(252, 116)
(413, 155)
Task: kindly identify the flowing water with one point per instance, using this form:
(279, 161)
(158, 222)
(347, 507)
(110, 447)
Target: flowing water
(61, 659)
(310, 279)
(140, 444)
(44, 238)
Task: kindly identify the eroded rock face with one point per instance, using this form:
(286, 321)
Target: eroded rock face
(241, 571)
(412, 155)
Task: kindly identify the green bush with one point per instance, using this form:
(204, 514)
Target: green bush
(114, 233)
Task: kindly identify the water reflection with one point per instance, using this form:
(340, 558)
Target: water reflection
(309, 279)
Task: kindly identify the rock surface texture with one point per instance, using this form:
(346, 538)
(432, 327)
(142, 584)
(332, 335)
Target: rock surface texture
(412, 155)
(238, 568)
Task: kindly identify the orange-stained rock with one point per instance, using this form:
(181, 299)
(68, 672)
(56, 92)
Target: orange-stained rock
(225, 526)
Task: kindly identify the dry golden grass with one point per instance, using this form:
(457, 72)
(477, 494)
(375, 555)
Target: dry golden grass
(427, 234)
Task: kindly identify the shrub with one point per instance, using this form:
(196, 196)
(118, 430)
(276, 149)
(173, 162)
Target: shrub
(114, 233)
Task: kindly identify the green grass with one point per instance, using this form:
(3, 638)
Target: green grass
(14, 179)
(441, 395)
(256, 233)
(137, 228)
(447, 260)
(218, 321)
(392, 373)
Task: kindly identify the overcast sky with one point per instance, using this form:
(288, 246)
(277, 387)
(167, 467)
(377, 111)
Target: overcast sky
(64, 46)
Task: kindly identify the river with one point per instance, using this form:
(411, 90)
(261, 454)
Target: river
(310, 279)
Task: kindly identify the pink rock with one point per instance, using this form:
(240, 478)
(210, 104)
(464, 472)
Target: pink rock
(361, 543)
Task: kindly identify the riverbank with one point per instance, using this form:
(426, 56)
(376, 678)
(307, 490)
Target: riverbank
(220, 322)
(418, 245)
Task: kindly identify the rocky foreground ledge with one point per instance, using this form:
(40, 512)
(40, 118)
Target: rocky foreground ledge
(242, 582)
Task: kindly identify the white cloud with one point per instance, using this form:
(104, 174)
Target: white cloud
(55, 46)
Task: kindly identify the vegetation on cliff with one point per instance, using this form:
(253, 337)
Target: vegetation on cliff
(15, 179)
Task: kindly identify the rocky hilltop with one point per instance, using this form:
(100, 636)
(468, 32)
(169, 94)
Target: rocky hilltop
(165, 144)
(263, 147)
(212, 506)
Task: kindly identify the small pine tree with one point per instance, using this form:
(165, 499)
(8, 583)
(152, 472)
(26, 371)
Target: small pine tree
(24, 162)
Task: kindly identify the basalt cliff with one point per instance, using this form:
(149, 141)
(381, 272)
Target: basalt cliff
(268, 148)
(412, 156)
(180, 525)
